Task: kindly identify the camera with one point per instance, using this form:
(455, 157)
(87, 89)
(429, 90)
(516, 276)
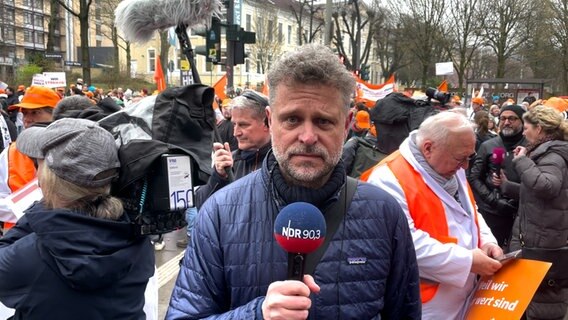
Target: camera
(441, 96)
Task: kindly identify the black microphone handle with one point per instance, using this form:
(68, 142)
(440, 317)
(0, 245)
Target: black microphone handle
(498, 170)
(296, 263)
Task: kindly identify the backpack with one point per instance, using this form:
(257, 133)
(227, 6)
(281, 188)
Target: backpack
(366, 156)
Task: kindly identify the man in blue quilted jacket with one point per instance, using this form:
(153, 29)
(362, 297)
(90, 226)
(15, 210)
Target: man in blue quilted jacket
(235, 269)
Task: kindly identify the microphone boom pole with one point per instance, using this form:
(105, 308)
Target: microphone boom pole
(185, 45)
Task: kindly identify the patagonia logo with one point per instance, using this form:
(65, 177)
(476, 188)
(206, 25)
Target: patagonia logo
(357, 260)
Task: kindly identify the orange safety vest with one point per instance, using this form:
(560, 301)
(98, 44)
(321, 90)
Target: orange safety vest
(21, 170)
(425, 208)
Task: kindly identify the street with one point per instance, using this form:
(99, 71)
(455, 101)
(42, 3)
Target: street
(167, 261)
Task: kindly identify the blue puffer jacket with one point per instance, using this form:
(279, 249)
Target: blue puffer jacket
(234, 257)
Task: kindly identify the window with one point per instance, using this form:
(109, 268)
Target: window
(279, 32)
(270, 30)
(38, 4)
(99, 43)
(151, 60)
(289, 34)
(28, 3)
(259, 28)
(98, 30)
(38, 37)
(9, 15)
(247, 22)
(258, 63)
(9, 34)
(38, 20)
(28, 18)
(28, 36)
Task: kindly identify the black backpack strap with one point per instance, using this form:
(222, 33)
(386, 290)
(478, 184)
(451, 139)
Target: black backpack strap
(333, 217)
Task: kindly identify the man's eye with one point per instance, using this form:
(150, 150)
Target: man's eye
(292, 120)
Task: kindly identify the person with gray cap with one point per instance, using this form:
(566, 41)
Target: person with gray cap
(497, 207)
(74, 254)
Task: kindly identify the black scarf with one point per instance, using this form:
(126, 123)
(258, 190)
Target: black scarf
(317, 197)
(513, 141)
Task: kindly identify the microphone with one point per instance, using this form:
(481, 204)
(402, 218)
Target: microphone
(299, 229)
(138, 19)
(497, 158)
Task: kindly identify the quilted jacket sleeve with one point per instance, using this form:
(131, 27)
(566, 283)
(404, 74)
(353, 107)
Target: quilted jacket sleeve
(199, 292)
(402, 299)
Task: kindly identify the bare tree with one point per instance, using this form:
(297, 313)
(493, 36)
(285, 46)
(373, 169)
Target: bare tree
(306, 12)
(508, 24)
(52, 25)
(421, 21)
(462, 30)
(352, 19)
(164, 49)
(83, 16)
(269, 41)
(111, 32)
(389, 48)
(558, 25)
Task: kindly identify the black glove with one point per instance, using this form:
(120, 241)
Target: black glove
(506, 207)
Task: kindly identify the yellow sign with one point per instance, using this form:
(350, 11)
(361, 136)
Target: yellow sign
(507, 294)
(184, 65)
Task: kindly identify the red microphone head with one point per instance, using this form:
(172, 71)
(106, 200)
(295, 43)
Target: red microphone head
(498, 156)
(300, 228)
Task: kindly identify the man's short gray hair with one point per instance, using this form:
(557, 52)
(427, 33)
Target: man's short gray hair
(242, 102)
(312, 64)
(438, 128)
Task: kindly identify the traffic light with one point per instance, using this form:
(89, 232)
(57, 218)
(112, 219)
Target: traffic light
(365, 73)
(213, 41)
(212, 49)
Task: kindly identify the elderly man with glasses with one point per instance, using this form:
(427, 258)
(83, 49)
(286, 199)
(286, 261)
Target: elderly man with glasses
(495, 201)
(453, 243)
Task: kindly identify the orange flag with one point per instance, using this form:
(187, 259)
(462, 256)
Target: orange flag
(159, 75)
(219, 87)
(443, 86)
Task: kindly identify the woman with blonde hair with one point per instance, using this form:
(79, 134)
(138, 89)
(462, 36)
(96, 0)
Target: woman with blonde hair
(541, 227)
(75, 254)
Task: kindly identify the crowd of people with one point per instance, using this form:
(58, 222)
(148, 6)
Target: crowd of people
(420, 226)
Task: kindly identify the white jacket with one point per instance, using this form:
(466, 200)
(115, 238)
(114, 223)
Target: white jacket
(448, 264)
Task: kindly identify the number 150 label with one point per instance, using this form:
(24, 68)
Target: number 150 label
(180, 182)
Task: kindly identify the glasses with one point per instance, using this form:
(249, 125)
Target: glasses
(462, 161)
(511, 119)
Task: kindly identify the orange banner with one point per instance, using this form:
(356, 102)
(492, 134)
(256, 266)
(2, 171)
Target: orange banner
(371, 93)
(159, 75)
(219, 87)
(507, 294)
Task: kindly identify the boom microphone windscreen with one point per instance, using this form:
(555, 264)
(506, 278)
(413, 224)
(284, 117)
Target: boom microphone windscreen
(138, 19)
(300, 228)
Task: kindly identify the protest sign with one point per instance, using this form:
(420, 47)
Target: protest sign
(507, 294)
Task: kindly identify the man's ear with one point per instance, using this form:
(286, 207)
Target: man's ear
(426, 148)
(268, 120)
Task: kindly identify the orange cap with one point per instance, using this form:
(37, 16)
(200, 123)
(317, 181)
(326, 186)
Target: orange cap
(2, 91)
(363, 119)
(225, 102)
(478, 100)
(559, 104)
(37, 97)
